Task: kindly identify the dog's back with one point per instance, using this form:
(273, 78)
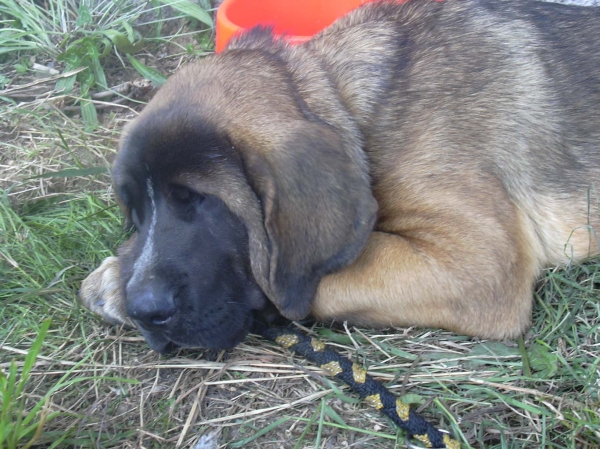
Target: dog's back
(481, 122)
(480, 91)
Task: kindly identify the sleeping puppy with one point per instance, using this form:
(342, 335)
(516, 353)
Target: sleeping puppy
(413, 164)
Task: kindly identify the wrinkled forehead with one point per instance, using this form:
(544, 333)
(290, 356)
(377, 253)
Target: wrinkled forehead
(170, 140)
(246, 94)
(178, 146)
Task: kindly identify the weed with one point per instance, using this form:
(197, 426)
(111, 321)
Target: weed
(83, 38)
(16, 423)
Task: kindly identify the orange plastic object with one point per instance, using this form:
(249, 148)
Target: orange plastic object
(299, 20)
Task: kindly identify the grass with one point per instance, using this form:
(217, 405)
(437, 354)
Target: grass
(75, 382)
(85, 39)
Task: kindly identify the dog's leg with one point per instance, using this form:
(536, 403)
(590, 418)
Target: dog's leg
(101, 293)
(468, 287)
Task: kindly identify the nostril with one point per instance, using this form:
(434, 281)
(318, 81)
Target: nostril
(162, 318)
(153, 313)
(152, 307)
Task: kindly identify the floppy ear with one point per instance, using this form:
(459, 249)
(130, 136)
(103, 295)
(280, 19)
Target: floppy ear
(318, 211)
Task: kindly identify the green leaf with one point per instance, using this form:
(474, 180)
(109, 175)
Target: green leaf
(412, 399)
(543, 363)
(65, 85)
(329, 411)
(528, 407)
(147, 72)
(8, 390)
(83, 16)
(20, 68)
(267, 429)
(122, 42)
(32, 354)
(95, 65)
(108, 47)
(400, 353)
(524, 358)
(89, 114)
(72, 62)
(335, 337)
(86, 81)
(493, 349)
(129, 30)
(489, 353)
(4, 80)
(449, 359)
(190, 9)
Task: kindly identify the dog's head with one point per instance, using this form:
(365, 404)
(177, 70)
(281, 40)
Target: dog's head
(240, 197)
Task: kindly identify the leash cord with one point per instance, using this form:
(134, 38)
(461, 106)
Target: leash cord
(370, 390)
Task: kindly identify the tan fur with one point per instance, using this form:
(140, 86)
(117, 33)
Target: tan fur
(480, 178)
(101, 293)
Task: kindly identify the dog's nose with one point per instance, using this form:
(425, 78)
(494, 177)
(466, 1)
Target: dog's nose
(149, 306)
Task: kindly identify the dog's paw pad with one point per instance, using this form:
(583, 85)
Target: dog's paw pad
(100, 293)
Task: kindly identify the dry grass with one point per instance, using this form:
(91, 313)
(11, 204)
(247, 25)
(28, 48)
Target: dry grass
(109, 390)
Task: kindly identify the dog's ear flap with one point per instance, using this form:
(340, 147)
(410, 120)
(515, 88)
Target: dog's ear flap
(318, 211)
(123, 195)
(125, 206)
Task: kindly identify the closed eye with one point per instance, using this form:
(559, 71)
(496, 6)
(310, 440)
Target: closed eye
(182, 196)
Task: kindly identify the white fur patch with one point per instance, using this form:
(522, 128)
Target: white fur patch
(146, 259)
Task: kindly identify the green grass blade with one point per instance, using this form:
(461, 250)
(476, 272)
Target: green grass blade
(190, 9)
(32, 354)
(72, 173)
(147, 72)
(261, 432)
(8, 394)
(89, 115)
(96, 66)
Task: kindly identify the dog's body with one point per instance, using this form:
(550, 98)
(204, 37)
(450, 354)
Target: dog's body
(413, 164)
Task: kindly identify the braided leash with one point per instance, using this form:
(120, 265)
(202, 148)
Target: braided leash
(369, 389)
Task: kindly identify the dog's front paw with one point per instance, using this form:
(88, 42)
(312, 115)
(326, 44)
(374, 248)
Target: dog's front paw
(100, 292)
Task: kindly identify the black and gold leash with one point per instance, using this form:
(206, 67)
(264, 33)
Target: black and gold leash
(369, 389)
